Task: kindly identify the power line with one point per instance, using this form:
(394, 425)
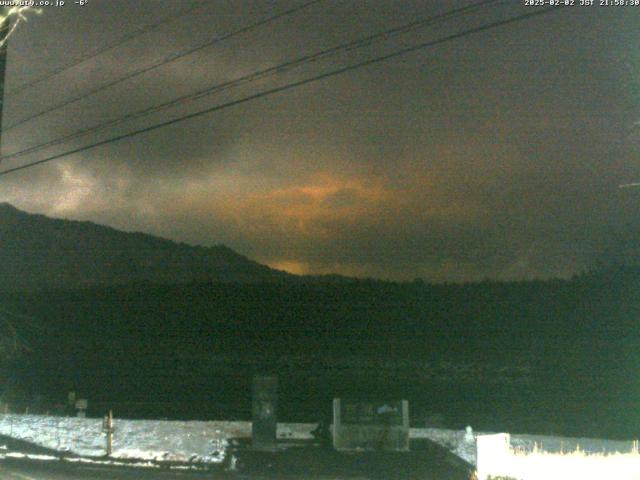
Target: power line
(289, 86)
(121, 41)
(169, 59)
(348, 46)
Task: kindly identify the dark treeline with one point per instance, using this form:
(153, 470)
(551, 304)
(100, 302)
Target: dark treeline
(150, 348)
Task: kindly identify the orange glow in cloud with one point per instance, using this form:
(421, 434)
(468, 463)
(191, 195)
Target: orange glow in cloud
(303, 209)
(291, 266)
(283, 222)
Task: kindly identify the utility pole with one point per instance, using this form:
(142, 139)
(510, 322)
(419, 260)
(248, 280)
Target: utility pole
(5, 28)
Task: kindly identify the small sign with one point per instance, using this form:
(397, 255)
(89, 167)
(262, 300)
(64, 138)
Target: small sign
(82, 403)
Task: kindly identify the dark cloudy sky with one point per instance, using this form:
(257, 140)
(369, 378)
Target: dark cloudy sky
(496, 155)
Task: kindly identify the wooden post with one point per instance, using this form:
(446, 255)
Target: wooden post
(108, 429)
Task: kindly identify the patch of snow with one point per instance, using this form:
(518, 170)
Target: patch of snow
(456, 441)
(132, 439)
(463, 444)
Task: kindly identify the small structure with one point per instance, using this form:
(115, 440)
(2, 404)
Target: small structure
(469, 437)
(371, 425)
(265, 420)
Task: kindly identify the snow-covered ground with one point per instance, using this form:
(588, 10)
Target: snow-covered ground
(163, 440)
(456, 441)
(463, 445)
(160, 440)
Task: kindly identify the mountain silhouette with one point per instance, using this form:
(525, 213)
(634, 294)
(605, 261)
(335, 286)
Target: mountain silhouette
(38, 251)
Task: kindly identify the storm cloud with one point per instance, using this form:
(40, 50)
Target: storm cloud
(497, 155)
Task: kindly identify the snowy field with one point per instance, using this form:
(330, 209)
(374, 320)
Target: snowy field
(163, 440)
(160, 440)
